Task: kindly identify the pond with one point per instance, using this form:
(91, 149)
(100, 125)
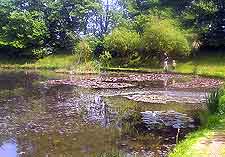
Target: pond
(48, 114)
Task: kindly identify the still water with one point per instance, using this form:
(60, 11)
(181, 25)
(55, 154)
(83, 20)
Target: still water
(47, 114)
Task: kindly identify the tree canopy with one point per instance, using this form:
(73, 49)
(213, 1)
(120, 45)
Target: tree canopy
(46, 26)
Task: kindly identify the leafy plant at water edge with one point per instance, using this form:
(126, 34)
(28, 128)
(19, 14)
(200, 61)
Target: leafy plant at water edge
(84, 51)
(112, 154)
(105, 59)
(89, 67)
(213, 101)
(42, 52)
(222, 105)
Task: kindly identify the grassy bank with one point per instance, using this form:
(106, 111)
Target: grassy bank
(207, 65)
(61, 63)
(199, 144)
(213, 66)
(50, 62)
(210, 139)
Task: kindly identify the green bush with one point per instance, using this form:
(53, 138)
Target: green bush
(84, 51)
(123, 42)
(222, 105)
(165, 36)
(42, 52)
(112, 154)
(213, 101)
(88, 67)
(105, 59)
(23, 30)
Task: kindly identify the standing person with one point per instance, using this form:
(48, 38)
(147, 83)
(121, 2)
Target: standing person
(174, 64)
(166, 59)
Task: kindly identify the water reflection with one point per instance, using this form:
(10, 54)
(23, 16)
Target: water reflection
(65, 120)
(9, 149)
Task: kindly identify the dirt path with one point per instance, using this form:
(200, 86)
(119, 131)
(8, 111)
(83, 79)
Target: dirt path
(210, 147)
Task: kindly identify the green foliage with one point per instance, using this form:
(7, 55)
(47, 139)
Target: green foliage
(123, 42)
(213, 101)
(222, 104)
(105, 59)
(87, 67)
(23, 29)
(84, 51)
(206, 19)
(35, 26)
(111, 154)
(164, 36)
(27, 25)
(215, 125)
(42, 52)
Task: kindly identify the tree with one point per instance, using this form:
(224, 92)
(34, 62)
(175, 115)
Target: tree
(122, 43)
(62, 18)
(164, 36)
(207, 19)
(23, 29)
(104, 19)
(31, 24)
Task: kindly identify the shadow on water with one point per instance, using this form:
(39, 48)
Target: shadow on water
(38, 119)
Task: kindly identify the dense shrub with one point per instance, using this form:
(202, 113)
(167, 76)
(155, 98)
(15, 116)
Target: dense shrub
(42, 52)
(111, 154)
(84, 51)
(96, 44)
(165, 36)
(88, 67)
(222, 105)
(23, 30)
(105, 59)
(122, 42)
(213, 101)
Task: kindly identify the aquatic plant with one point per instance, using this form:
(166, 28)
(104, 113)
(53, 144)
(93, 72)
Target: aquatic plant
(222, 104)
(213, 100)
(111, 154)
(105, 59)
(132, 124)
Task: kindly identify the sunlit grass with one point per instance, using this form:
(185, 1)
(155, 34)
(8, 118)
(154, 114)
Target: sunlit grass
(190, 146)
(56, 62)
(186, 149)
(213, 123)
(61, 63)
(208, 65)
(50, 62)
(89, 67)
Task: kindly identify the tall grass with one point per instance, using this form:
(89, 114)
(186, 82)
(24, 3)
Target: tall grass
(50, 62)
(211, 65)
(112, 154)
(215, 122)
(213, 100)
(87, 67)
(54, 62)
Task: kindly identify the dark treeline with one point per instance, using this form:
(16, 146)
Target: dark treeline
(130, 30)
